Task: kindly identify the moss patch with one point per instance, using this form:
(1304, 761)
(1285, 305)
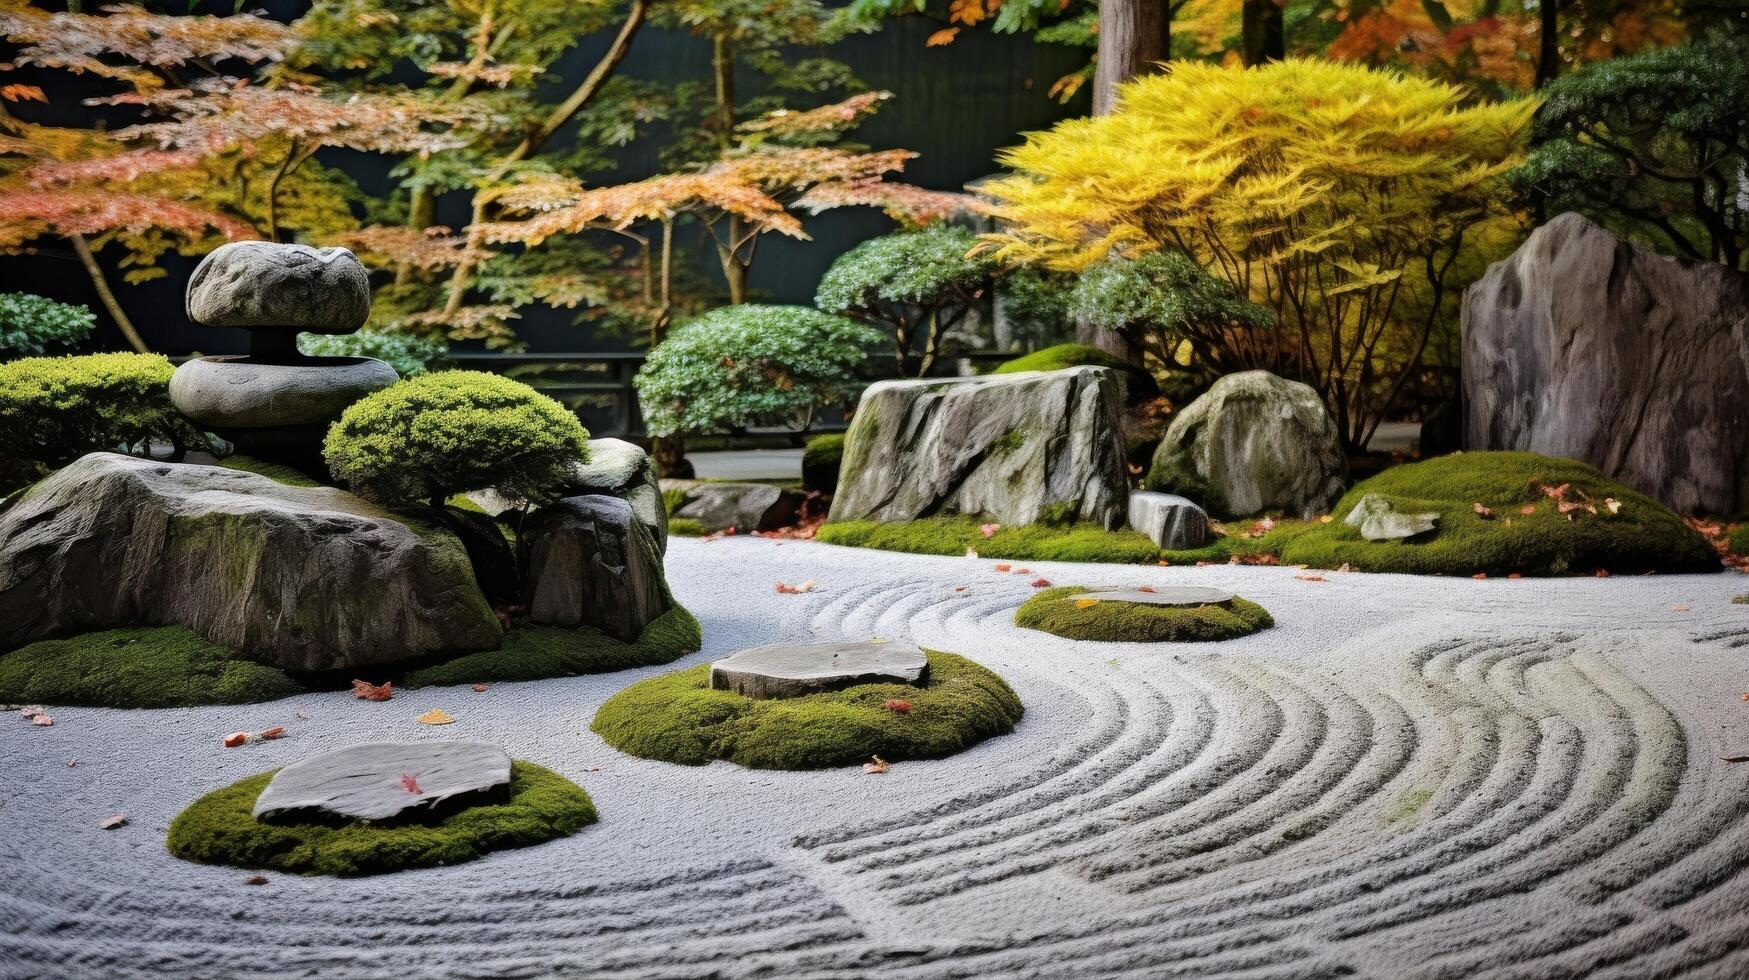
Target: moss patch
(678, 718)
(1738, 542)
(1054, 611)
(219, 829)
(685, 527)
(139, 667)
(1640, 535)
(273, 471)
(952, 535)
(535, 652)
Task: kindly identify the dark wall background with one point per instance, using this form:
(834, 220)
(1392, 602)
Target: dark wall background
(956, 105)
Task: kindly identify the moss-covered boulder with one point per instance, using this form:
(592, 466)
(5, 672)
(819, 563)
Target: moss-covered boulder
(678, 717)
(1066, 612)
(303, 578)
(220, 828)
(1500, 513)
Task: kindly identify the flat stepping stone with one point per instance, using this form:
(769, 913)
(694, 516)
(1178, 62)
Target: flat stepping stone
(790, 670)
(378, 780)
(1171, 595)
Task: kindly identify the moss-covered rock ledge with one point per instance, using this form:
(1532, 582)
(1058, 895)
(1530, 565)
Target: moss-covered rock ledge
(1061, 612)
(679, 718)
(220, 828)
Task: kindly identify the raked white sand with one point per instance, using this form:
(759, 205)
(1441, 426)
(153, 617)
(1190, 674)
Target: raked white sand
(1405, 777)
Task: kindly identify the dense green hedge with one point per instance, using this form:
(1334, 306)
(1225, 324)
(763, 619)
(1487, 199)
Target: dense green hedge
(448, 432)
(31, 324)
(56, 409)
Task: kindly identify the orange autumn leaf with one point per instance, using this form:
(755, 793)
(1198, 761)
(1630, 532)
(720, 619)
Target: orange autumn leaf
(1086, 603)
(366, 691)
(942, 37)
(436, 716)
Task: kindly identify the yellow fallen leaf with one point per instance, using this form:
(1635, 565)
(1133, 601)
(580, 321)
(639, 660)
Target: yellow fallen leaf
(1084, 603)
(436, 716)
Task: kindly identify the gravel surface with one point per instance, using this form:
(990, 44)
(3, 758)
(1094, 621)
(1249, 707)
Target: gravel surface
(1404, 777)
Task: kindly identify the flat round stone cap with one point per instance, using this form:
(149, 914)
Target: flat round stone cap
(787, 670)
(274, 285)
(1169, 595)
(238, 391)
(377, 780)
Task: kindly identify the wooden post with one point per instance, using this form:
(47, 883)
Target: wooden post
(1134, 37)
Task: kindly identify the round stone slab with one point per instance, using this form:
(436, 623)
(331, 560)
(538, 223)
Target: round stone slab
(1170, 595)
(789, 670)
(378, 780)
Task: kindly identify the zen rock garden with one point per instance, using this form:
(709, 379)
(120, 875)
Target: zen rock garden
(1280, 511)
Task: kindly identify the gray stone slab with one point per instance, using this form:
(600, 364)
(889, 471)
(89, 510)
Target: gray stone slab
(1379, 520)
(379, 780)
(1166, 595)
(1170, 521)
(787, 670)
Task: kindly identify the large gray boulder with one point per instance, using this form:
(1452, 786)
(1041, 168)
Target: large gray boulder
(746, 507)
(619, 469)
(593, 563)
(1586, 346)
(274, 285)
(1014, 448)
(1253, 442)
(307, 578)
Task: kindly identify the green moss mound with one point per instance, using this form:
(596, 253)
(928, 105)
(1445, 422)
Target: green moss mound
(1054, 611)
(276, 472)
(1640, 535)
(953, 534)
(218, 828)
(536, 652)
(1062, 356)
(820, 462)
(1739, 540)
(678, 718)
(139, 667)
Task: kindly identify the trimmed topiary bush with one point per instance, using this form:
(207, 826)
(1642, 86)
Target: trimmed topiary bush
(740, 366)
(536, 652)
(448, 432)
(820, 462)
(1056, 611)
(915, 285)
(219, 828)
(138, 667)
(678, 718)
(56, 409)
(409, 355)
(31, 324)
(1633, 534)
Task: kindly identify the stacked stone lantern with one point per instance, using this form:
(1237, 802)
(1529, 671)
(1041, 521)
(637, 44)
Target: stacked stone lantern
(275, 403)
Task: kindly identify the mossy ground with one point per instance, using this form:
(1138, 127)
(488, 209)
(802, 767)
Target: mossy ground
(952, 535)
(678, 718)
(1738, 542)
(172, 667)
(219, 828)
(1055, 611)
(141, 667)
(1639, 535)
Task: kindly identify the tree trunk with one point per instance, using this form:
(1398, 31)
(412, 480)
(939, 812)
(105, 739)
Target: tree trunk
(1263, 37)
(1134, 36)
(1548, 58)
(95, 271)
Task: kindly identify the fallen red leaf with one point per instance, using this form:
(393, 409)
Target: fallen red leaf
(277, 731)
(1483, 512)
(989, 530)
(959, 588)
(1023, 571)
(42, 720)
(255, 880)
(1145, 588)
(411, 784)
(898, 706)
(1479, 576)
(1311, 578)
(1003, 566)
(366, 691)
(1041, 583)
(479, 687)
(1603, 573)
(1527, 509)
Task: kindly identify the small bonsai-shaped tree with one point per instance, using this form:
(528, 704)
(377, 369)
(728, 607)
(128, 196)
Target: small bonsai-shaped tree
(448, 432)
(739, 366)
(914, 284)
(30, 325)
(1655, 144)
(1162, 301)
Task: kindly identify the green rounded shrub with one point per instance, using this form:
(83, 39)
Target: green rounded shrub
(916, 285)
(56, 409)
(448, 432)
(219, 828)
(746, 365)
(678, 718)
(820, 462)
(1630, 532)
(31, 324)
(409, 355)
(1056, 611)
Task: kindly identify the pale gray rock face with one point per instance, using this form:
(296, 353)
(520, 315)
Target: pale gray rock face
(379, 780)
(745, 507)
(1253, 442)
(1013, 448)
(620, 469)
(1173, 596)
(1586, 346)
(306, 578)
(593, 563)
(268, 284)
(789, 670)
(1170, 521)
(226, 392)
(1378, 520)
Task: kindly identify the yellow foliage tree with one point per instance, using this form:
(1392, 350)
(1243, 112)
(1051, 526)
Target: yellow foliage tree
(1339, 196)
